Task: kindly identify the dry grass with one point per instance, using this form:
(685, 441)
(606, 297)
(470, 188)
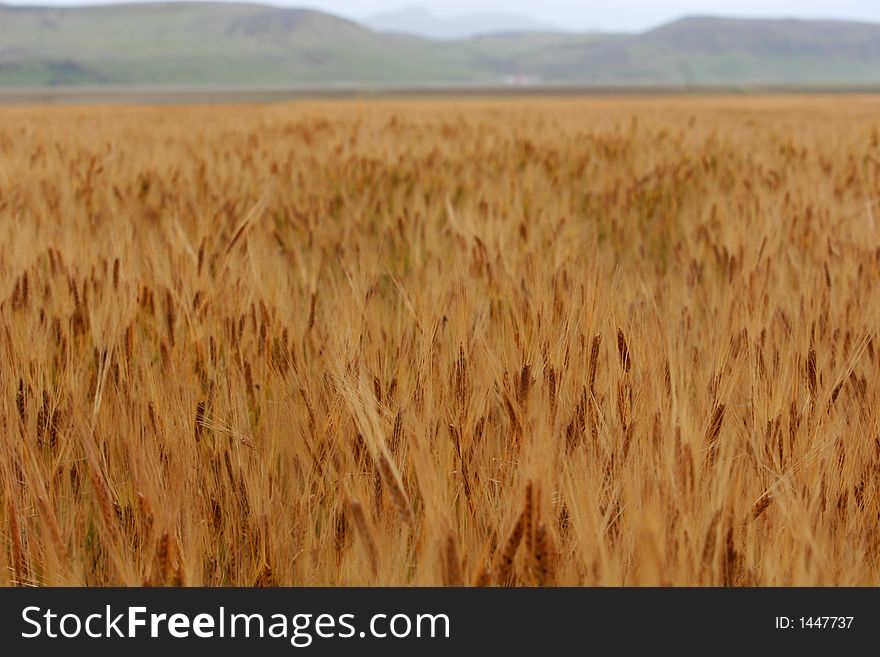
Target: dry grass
(617, 342)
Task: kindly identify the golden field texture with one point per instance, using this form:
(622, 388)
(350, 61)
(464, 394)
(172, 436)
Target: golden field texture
(510, 342)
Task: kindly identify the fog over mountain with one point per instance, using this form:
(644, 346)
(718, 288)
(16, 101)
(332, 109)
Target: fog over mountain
(420, 21)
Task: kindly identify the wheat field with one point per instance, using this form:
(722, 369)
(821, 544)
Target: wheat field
(449, 342)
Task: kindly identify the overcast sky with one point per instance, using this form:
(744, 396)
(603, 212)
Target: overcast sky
(586, 14)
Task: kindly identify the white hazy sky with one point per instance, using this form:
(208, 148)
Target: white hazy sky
(585, 14)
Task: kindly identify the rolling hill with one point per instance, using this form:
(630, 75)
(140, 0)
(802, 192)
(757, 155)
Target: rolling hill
(249, 45)
(209, 44)
(706, 50)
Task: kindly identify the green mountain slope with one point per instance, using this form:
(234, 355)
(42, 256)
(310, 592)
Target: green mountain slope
(212, 44)
(239, 45)
(722, 51)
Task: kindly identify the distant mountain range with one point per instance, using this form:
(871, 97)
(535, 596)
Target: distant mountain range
(419, 21)
(248, 45)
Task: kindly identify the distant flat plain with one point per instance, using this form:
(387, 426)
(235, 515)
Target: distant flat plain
(221, 95)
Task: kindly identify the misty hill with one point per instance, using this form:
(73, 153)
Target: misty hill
(248, 45)
(707, 50)
(419, 21)
(208, 44)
